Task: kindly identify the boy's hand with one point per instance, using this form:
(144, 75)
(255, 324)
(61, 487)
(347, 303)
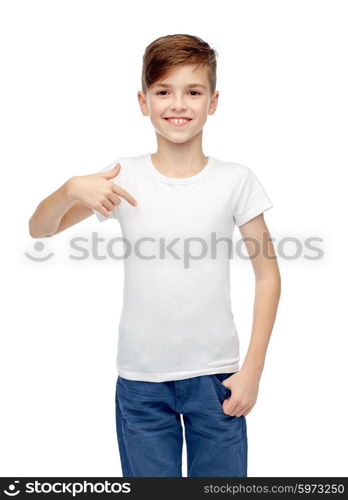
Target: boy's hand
(97, 192)
(244, 386)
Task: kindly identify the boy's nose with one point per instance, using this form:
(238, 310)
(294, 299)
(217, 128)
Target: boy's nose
(178, 107)
(178, 104)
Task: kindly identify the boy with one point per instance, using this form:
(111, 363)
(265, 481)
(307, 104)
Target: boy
(178, 347)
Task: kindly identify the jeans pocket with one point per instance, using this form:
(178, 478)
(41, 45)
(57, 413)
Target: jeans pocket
(219, 377)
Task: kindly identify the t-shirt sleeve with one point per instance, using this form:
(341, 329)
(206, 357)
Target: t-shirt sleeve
(114, 213)
(252, 198)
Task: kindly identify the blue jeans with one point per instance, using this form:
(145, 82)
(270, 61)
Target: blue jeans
(150, 432)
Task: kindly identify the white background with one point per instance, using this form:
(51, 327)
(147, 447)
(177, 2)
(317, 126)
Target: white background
(70, 74)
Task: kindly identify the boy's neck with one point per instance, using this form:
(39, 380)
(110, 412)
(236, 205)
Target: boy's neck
(180, 166)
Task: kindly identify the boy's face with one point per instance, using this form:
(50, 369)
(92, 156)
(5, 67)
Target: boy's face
(174, 96)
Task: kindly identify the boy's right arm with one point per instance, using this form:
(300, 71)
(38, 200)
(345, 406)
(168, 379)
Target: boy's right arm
(76, 200)
(48, 218)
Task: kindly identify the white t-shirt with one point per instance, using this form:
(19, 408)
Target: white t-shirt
(176, 320)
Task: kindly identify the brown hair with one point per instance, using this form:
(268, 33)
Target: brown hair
(169, 51)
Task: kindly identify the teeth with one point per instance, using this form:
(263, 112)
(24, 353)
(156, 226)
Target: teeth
(178, 121)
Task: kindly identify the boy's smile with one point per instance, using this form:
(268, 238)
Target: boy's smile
(178, 122)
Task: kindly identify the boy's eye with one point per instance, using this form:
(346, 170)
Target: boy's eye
(195, 91)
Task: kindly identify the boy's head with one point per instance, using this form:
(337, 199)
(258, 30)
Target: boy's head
(171, 51)
(171, 64)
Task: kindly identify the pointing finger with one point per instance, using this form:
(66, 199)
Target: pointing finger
(124, 194)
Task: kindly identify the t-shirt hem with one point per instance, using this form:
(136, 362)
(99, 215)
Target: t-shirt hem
(166, 377)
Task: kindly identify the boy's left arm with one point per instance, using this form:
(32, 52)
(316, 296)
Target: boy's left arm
(244, 384)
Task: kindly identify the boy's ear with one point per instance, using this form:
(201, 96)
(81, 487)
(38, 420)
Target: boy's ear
(214, 102)
(142, 103)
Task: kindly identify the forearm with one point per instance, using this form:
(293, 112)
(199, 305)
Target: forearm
(48, 214)
(267, 294)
